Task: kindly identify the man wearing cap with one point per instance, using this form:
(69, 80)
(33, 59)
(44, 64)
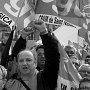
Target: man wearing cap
(84, 70)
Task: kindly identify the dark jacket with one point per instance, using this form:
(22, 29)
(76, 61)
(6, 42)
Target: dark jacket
(47, 79)
(20, 43)
(5, 54)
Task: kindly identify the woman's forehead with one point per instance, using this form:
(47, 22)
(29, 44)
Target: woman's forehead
(25, 53)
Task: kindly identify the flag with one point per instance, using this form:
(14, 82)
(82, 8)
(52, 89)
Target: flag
(68, 76)
(46, 10)
(46, 7)
(64, 6)
(65, 34)
(73, 8)
(16, 11)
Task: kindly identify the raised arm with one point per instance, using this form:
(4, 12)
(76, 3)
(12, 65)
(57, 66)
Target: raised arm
(21, 42)
(5, 54)
(52, 54)
(19, 45)
(52, 59)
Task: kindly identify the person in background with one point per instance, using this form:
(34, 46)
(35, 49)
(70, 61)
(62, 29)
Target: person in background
(75, 62)
(87, 59)
(84, 84)
(40, 57)
(28, 77)
(72, 55)
(84, 70)
(70, 51)
(7, 59)
(3, 70)
(2, 46)
(38, 51)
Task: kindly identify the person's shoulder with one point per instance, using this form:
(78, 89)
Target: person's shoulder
(10, 83)
(3, 69)
(40, 73)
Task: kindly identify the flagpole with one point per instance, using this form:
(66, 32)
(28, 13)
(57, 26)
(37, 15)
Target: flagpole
(19, 12)
(78, 42)
(14, 26)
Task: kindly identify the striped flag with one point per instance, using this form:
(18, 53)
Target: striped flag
(68, 77)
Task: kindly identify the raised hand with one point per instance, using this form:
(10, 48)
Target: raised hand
(40, 26)
(26, 32)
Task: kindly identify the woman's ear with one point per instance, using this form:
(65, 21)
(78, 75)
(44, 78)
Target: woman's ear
(35, 65)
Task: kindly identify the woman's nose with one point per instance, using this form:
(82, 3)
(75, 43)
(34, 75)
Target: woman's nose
(24, 62)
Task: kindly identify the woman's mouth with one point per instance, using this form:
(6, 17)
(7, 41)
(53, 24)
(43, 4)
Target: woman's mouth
(25, 68)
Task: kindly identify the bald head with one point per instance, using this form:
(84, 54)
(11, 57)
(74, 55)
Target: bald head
(25, 53)
(26, 62)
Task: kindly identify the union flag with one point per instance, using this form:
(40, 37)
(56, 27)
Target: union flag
(16, 11)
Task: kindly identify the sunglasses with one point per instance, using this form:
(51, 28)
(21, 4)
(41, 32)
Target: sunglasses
(75, 63)
(70, 52)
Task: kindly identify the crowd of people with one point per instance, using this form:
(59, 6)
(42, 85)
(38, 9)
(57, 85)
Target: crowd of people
(24, 69)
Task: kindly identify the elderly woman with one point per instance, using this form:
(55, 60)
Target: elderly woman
(28, 78)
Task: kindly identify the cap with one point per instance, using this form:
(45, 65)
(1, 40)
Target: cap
(84, 67)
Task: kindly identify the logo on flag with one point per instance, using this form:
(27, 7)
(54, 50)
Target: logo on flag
(16, 11)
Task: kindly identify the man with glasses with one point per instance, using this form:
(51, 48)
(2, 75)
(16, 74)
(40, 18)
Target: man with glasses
(72, 55)
(70, 51)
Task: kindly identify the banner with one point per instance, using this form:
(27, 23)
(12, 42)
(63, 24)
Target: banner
(51, 19)
(47, 11)
(67, 8)
(10, 9)
(73, 8)
(68, 77)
